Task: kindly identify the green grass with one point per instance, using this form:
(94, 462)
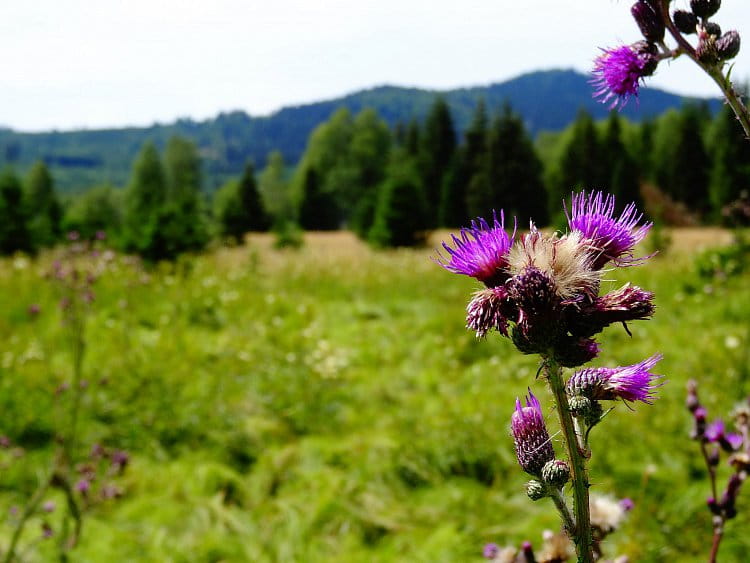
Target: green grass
(327, 404)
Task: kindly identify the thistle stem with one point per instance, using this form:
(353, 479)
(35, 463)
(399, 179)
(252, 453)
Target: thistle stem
(564, 510)
(582, 536)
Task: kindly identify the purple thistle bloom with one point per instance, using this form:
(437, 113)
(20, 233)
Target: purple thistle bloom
(533, 446)
(612, 239)
(489, 309)
(627, 504)
(629, 383)
(619, 71)
(481, 251)
(729, 441)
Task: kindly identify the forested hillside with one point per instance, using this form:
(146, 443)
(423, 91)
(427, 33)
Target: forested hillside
(546, 101)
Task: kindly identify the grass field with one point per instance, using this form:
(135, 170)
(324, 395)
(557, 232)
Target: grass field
(327, 404)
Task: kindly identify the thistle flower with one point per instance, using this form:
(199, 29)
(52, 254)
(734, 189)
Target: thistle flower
(480, 251)
(629, 383)
(649, 20)
(611, 239)
(489, 309)
(729, 441)
(618, 72)
(533, 446)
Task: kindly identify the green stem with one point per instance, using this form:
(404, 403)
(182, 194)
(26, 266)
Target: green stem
(582, 536)
(564, 510)
(27, 513)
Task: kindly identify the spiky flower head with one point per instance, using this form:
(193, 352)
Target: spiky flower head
(480, 251)
(490, 309)
(629, 383)
(618, 72)
(728, 45)
(536, 490)
(611, 239)
(556, 473)
(533, 446)
(685, 21)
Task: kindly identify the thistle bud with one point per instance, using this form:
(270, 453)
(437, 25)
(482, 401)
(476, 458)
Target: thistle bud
(556, 473)
(536, 490)
(686, 22)
(728, 45)
(572, 352)
(706, 48)
(712, 29)
(579, 405)
(712, 458)
(648, 20)
(533, 445)
(705, 8)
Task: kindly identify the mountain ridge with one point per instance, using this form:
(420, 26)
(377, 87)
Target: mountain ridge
(546, 100)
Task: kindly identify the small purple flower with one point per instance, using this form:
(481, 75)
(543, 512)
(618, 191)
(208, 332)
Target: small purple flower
(490, 550)
(618, 72)
(83, 486)
(481, 251)
(47, 531)
(533, 445)
(629, 383)
(629, 303)
(120, 459)
(49, 506)
(611, 239)
(729, 441)
(489, 309)
(34, 309)
(627, 504)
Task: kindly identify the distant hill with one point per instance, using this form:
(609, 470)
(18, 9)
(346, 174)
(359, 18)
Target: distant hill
(547, 100)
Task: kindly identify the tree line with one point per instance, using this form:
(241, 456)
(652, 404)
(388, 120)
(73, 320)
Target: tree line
(390, 185)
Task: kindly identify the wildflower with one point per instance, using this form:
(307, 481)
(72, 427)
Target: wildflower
(533, 446)
(611, 239)
(728, 45)
(34, 309)
(490, 550)
(606, 513)
(49, 506)
(715, 432)
(618, 72)
(83, 486)
(705, 8)
(120, 459)
(686, 22)
(489, 309)
(47, 531)
(629, 383)
(480, 252)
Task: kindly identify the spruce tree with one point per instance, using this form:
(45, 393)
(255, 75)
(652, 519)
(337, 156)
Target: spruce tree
(515, 171)
(478, 192)
(730, 162)
(144, 199)
(238, 208)
(44, 208)
(98, 209)
(400, 216)
(437, 146)
(621, 169)
(318, 209)
(14, 229)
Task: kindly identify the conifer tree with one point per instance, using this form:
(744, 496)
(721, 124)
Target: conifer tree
(14, 231)
(145, 197)
(515, 171)
(730, 162)
(98, 209)
(478, 193)
(437, 146)
(623, 181)
(43, 206)
(318, 210)
(400, 216)
(238, 208)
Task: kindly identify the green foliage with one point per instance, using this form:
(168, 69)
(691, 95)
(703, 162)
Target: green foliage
(144, 199)
(318, 210)
(45, 211)
(322, 405)
(97, 209)
(238, 208)
(14, 216)
(681, 160)
(730, 162)
(401, 214)
(473, 165)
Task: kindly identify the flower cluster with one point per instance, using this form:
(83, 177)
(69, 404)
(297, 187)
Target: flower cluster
(618, 72)
(714, 440)
(542, 290)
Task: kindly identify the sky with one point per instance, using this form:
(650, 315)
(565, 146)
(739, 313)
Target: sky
(90, 64)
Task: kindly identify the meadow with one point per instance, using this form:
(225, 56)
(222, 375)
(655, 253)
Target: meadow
(327, 404)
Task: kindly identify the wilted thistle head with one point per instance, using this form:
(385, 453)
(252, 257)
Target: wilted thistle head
(611, 239)
(618, 72)
(629, 383)
(480, 251)
(533, 446)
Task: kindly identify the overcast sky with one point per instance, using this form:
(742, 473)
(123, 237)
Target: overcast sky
(97, 63)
